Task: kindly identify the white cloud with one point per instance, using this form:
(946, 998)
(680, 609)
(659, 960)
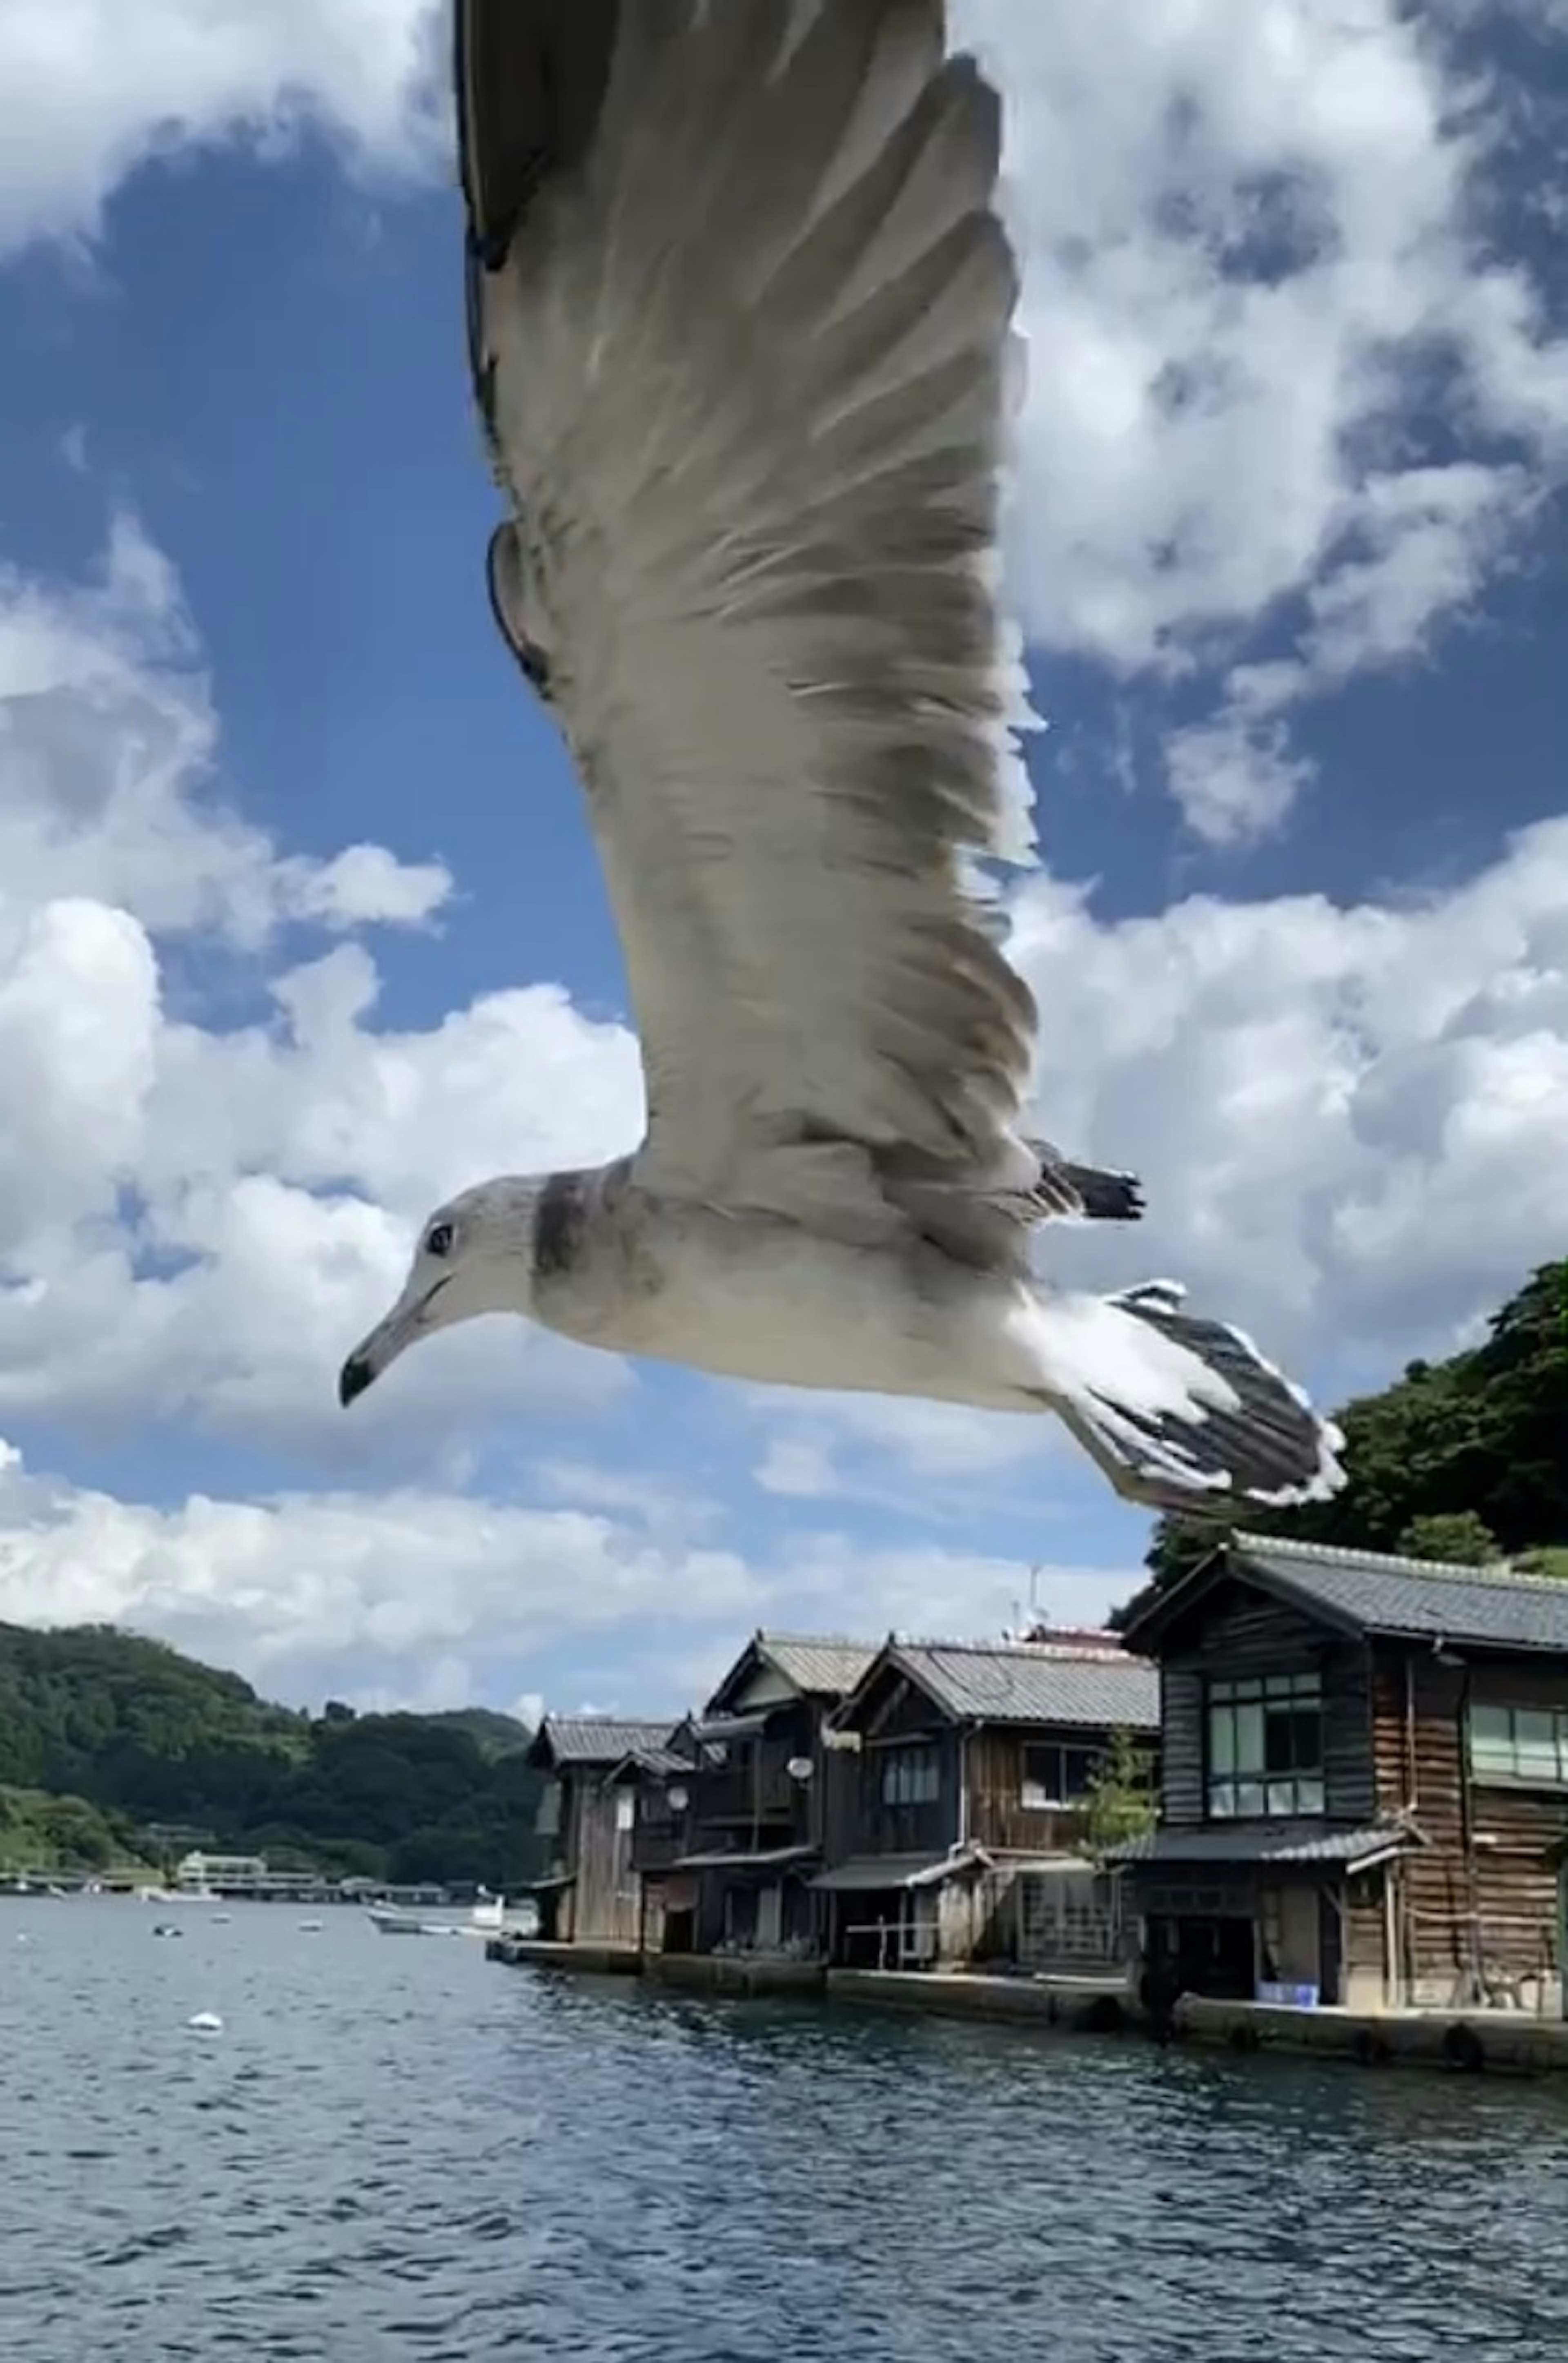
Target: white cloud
(108, 740)
(428, 1598)
(1260, 294)
(1282, 383)
(95, 90)
(1346, 1117)
(176, 1240)
(419, 1596)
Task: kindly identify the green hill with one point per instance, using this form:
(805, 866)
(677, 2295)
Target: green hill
(114, 1747)
(1464, 1459)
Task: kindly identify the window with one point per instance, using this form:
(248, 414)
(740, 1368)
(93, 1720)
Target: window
(1519, 1742)
(1058, 1774)
(625, 1807)
(910, 1776)
(1266, 1745)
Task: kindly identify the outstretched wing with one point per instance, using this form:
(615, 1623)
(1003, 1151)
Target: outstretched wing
(740, 305)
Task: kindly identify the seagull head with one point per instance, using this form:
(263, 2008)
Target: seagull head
(474, 1255)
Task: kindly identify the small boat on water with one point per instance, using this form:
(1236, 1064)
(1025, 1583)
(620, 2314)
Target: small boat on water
(388, 1920)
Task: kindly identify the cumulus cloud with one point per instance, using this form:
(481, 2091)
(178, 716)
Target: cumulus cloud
(1285, 395)
(354, 1595)
(1348, 1115)
(197, 1223)
(97, 90)
(1287, 399)
(428, 1598)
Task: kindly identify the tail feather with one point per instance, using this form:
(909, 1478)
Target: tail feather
(1185, 1415)
(1065, 1192)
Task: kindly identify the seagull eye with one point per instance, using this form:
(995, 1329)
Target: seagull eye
(439, 1239)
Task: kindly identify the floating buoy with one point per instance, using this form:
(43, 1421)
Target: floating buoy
(206, 2022)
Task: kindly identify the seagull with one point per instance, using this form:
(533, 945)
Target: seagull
(741, 317)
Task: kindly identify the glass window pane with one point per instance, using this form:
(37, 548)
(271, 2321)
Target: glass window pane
(1494, 1724)
(1279, 1731)
(1222, 1800)
(1249, 1739)
(1535, 1737)
(1308, 1796)
(1221, 1742)
(1250, 1797)
(1493, 1759)
(1222, 1694)
(1281, 1796)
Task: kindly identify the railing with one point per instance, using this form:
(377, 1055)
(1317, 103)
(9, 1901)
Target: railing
(887, 1945)
(766, 1794)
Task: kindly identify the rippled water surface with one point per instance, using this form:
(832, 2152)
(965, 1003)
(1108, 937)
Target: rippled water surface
(394, 2149)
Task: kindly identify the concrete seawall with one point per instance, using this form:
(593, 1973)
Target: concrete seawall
(1501, 2042)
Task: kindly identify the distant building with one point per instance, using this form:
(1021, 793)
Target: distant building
(591, 1893)
(1364, 1793)
(198, 1871)
(959, 1836)
(755, 1775)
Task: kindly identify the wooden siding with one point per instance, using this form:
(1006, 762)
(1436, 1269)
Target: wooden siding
(870, 1826)
(998, 1817)
(1247, 1633)
(1482, 1896)
(604, 1906)
(749, 1800)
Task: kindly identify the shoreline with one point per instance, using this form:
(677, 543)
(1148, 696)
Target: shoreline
(1510, 2043)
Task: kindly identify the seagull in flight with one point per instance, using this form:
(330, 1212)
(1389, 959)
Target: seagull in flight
(741, 329)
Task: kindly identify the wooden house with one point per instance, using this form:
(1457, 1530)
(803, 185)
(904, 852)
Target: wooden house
(591, 1893)
(960, 1828)
(1365, 1790)
(755, 1794)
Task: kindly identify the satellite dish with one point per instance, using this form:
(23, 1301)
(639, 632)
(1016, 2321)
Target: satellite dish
(678, 1800)
(799, 1768)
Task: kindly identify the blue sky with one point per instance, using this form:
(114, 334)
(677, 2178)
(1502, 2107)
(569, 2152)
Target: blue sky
(1287, 549)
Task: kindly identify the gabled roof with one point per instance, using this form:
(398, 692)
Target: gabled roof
(1025, 1681)
(590, 1739)
(650, 1764)
(817, 1667)
(1374, 1594)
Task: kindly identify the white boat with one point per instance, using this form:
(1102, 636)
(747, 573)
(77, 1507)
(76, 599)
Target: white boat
(389, 1921)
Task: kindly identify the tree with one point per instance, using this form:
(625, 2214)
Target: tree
(1478, 1437)
(1122, 1802)
(1457, 1536)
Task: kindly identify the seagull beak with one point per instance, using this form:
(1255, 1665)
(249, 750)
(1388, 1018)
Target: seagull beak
(408, 1319)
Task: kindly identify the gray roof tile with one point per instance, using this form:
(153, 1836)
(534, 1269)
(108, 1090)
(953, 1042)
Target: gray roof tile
(1379, 1593)
(1030, 1683)
(830, 1667)
(594, 1738)
(1266, 1842)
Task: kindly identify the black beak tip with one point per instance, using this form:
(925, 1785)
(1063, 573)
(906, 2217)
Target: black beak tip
(353, 1379)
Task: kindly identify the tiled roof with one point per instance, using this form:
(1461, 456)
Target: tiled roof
(1022, 1682)
(1266, 1842)
(829, 1667)
(652, 1763)
(1379, 1593)
(593, 1738)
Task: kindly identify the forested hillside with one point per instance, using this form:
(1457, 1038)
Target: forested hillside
(107, 1739)
(1465, 1459)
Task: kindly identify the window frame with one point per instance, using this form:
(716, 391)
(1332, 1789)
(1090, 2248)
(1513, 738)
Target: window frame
(1055, 1795)
(1518, 1773)
(896, 1767)
(1239, 1783)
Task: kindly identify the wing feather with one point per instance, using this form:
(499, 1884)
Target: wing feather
(746, 364)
